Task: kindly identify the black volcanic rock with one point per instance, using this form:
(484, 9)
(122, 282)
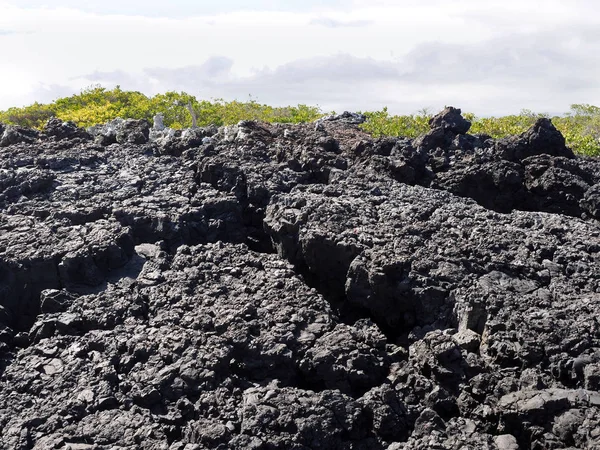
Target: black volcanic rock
(297, 286)
(58, 130)
(541, 138)
(13, 134)
(446, 128)
(450, 119)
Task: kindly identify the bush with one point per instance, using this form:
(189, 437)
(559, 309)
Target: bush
(580, 127)
(33, 116)
(380, 123)
(96, 104)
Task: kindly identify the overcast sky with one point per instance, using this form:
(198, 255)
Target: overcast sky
(489, 57)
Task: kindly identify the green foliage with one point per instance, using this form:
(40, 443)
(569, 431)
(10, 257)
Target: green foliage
(499, 127)
(173, 107)
(96, 104)
(380, 123)
(33, 116)
(580, 127)
(220, 112)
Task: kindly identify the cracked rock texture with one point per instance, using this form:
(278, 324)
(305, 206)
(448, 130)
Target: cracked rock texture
(297, 287)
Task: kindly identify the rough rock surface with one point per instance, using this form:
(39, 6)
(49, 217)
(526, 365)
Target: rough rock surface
(297, 287)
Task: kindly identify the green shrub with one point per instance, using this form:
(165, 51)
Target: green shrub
(380, 123)
(580, 127)
(33, 116)
(96, 104)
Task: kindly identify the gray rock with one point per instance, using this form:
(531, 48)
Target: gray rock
(121, 131)
(277, 286)
(506, 442)
(592, 377)
(158, 124)
(346, 117)
(467, 339)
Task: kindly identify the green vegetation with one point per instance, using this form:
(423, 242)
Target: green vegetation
(98, 105)
(581, 126)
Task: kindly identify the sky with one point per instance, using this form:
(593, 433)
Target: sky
(491, 57)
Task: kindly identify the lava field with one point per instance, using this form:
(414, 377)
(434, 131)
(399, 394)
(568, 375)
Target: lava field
(296, 287)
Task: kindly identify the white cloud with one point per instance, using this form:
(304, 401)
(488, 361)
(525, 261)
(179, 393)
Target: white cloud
(182, 8)
(333, 23)
(489, 57)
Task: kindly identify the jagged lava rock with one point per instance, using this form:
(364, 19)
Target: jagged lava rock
(276, 286)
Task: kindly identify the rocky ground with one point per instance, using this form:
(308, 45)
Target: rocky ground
(297, 287)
